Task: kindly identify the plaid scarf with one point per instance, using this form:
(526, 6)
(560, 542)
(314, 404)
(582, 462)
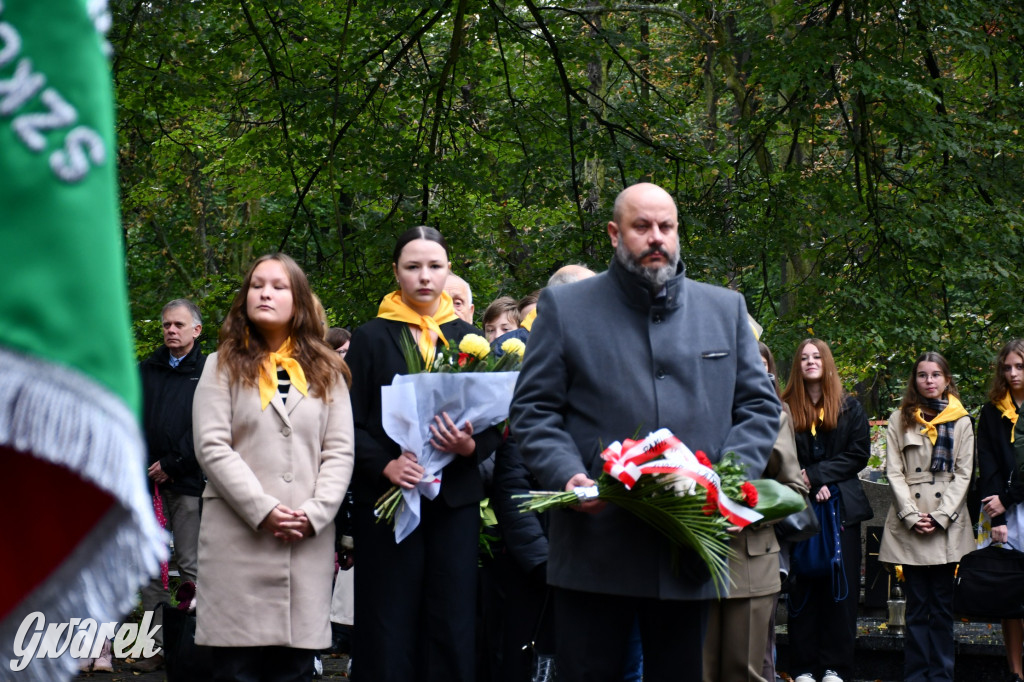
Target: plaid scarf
(941, 426)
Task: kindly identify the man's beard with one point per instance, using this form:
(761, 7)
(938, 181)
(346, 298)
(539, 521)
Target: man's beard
(655, 277)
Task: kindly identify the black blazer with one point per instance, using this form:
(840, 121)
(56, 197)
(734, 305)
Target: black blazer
(375, 357)
(996, 461)
(846, 451)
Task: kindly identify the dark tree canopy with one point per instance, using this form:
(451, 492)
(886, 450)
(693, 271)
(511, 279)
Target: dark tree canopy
(853, 167)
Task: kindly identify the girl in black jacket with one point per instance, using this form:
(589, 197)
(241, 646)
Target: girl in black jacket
(833, 445)
(415, 600)
(1000, 489)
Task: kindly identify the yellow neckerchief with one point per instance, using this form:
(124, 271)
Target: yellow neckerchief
(394, 308)
(527, 322)
(1009, 411)
(954, 410)
(268, 373)
(821, 418)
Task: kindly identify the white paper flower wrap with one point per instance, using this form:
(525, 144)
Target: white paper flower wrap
(409, 406)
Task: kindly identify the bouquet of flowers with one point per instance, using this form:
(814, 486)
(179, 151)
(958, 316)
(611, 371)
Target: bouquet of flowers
(473, 355)
(468, 384)
(681, 494)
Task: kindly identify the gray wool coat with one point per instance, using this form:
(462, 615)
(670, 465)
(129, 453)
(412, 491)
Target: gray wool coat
(605, 362)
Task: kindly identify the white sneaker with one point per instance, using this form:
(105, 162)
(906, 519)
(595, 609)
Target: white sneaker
(806, 677)
(831, 676)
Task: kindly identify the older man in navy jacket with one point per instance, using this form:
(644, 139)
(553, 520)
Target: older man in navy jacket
(169, 379)
(637, 348)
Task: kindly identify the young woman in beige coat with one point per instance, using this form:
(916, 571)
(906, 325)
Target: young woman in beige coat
(739, 626)
(929, 460)
(273, 430)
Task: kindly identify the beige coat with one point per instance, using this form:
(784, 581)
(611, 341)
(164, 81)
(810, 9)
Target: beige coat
(916, 490)
(754, 569)
(253, 589)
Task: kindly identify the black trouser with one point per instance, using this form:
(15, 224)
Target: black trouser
(930, 649)
(823, 631)
(592, 636)
(527, 620)
(262, 664)
(416, 600)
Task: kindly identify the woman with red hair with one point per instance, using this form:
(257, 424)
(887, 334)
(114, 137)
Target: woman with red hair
(833, 445)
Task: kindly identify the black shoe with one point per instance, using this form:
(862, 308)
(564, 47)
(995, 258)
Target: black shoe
(148, 665)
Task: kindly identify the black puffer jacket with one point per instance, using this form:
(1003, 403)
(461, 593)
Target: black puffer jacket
(525, 534)
(167, 417)
(842, 453)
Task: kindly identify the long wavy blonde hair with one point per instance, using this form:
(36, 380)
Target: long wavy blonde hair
(242, 350)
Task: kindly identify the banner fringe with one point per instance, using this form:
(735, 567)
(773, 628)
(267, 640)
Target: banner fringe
(64, 417)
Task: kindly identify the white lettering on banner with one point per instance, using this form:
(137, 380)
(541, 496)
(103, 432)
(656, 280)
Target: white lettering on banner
(81, 638)
(102, 20)
(70, 162)
(29, 127)
(12, 43)
(15, 91)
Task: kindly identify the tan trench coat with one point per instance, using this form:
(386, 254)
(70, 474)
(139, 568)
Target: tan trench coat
(916, 490)
(738, 626)
(253, 589)
(754, 570)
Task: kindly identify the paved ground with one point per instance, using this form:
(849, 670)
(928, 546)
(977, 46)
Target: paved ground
(334, 669)
(879, 656)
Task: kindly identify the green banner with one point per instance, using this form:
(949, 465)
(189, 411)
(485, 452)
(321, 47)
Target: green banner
(61, 250)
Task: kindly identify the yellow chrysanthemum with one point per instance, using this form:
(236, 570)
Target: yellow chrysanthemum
(514, 347)
(475, 345)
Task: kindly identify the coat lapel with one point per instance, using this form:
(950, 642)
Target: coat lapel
(395, 331)
(279, 406)
(913, 435)
(294, 398)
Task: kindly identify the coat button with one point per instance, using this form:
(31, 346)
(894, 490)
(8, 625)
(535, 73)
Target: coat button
(938, 494)
(656, 319)
(660, 374)
(917, 494)
(918, 469)
(287, 476)
(286, 431)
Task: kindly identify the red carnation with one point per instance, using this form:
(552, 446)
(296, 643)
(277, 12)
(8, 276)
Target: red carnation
(702, 458)
(464, 358)
(749, 493)
(711, 502)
